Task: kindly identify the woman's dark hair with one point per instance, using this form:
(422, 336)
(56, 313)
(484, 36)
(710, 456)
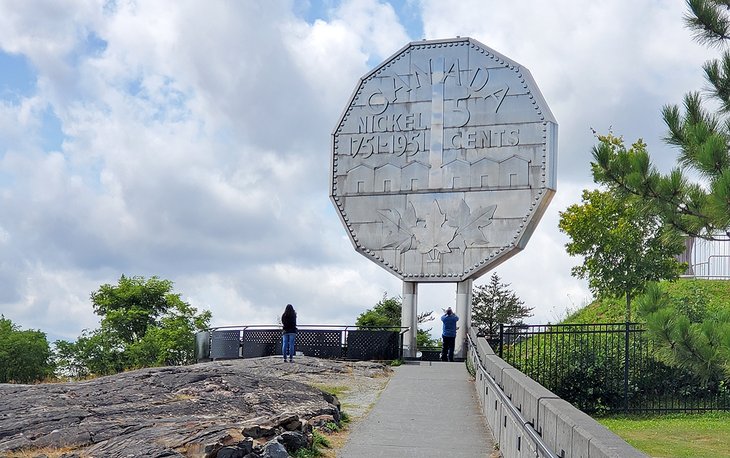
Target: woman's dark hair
(289, 311)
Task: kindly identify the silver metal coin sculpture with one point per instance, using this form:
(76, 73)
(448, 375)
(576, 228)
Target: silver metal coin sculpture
(443, 162)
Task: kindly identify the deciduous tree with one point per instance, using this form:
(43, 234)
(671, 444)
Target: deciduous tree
(143, 323)
(25, 355)
(133, 305)
(623, 245)
(387, 314)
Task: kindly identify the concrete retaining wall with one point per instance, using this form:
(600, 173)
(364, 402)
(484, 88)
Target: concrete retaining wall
(566, 431)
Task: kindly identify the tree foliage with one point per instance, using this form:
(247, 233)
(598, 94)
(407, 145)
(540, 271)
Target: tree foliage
(689, 337)
(698, 208)
(623, 244)
(25, 356)
(387, 314)
(494, 304)
(133, 305)
(143, 324)
(700, 130)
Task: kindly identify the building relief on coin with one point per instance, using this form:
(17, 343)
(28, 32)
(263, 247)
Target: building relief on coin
(443, 161)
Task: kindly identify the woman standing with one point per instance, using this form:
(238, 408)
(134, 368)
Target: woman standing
(289, 322)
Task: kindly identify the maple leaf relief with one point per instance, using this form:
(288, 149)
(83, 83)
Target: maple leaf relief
(437, 232)
(434, 235)
(469, 224)
(398, 229)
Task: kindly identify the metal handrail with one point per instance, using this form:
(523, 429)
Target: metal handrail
(208, 338)
(507, 402)
(341, 327)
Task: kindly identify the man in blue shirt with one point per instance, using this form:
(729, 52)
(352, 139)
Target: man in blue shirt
(448, 335)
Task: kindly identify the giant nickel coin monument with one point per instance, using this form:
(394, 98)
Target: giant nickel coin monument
(443, 162)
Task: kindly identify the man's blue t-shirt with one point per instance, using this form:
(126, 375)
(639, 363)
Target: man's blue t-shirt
(449, 325)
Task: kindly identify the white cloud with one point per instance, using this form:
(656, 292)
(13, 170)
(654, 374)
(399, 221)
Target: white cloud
(599, 65)
(197, 136)
(54, 301)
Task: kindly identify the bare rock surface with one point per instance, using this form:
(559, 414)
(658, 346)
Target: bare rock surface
(362, 382)
(206, 410)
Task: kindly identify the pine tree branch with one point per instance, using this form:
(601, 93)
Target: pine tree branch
(708, 21)
(675, 205)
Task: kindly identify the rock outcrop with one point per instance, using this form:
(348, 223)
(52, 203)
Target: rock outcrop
(225, 409)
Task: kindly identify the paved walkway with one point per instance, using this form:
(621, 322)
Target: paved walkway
(427, 410)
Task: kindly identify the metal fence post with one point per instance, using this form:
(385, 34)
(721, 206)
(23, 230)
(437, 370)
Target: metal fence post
(626, 369)
(501, 338)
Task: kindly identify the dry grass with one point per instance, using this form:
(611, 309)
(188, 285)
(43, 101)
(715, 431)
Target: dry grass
(50, 452)
(357, 395)
(337, 441)
(336, 390)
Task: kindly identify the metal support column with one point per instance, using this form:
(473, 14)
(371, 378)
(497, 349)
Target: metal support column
(409, 318)
(463, 311)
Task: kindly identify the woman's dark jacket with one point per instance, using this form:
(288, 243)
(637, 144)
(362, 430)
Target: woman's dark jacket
(289, 322)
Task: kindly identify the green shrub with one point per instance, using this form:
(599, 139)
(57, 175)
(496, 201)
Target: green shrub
(25, 356)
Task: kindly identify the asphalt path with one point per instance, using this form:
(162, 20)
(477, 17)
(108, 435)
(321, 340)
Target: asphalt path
(426, 410)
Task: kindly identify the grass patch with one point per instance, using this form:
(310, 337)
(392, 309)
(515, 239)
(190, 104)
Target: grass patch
(335, 390)
(344, 418)
(470, 367)
(701, 435)
(50, 452)
(706, 297)
(319, 444)
(336, 441)
(326, 443)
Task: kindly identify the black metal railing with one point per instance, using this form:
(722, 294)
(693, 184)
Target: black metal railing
(429, 353)
(323, 341)
(606, 368)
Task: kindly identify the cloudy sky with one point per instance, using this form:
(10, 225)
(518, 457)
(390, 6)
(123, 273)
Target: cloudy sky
(191, 140)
